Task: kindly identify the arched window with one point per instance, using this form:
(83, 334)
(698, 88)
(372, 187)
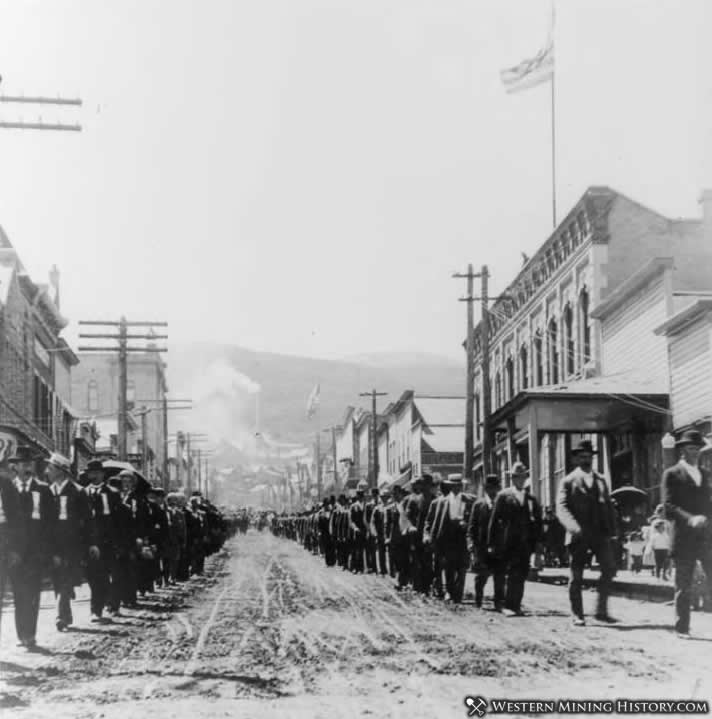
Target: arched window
(569, 344)
(538, 360)
(584, 327)
(509, 369)
(524, 367)
(93, 396)
(497, 390)
(553, 345)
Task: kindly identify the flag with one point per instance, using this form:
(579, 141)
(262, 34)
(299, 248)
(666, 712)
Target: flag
(534, 71)
(530, 73)
(313, 402)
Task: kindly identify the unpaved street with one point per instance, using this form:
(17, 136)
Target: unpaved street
(271, 632)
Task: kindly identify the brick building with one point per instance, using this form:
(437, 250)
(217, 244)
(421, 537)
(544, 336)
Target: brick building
(95, 391)
(35, 361)
(569, 351)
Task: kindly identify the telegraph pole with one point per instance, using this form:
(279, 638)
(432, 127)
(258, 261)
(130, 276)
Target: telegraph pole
(468, 462)
(42, 102)
(123, 350)
(373, 454)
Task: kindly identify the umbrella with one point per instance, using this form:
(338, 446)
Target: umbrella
(629, 492)
(116, 467)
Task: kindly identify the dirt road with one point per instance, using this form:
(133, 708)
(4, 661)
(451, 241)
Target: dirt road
(271, 632)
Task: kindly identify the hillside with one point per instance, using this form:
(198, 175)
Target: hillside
(223, 381)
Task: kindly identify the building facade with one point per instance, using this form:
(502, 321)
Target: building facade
(95, 390)
(568, 338)
(36, 363)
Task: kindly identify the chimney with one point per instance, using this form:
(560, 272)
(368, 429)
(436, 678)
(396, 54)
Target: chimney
(54, 284)
(706, 202)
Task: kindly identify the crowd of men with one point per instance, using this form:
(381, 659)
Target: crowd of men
(429, 537)
(122, 535)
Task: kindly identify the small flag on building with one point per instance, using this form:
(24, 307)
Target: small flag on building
(313, 402)
(531, 72)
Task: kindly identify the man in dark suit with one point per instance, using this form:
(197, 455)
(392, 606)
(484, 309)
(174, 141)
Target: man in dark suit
(484, 563)
(378, 529)
(9, 498)
(514, 530)
(357, 525)
(421, 553)
(447, 534)
(370, 540)
(35, 533)
(104, 506)
(584, 508)
(72, 536)
(685, 496)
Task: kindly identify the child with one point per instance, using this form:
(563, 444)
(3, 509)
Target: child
(635, 546)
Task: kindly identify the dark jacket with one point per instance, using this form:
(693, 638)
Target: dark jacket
(104, 506)
(478, 529)
(74, 530)
(8, 517)
(682, 499)
(440, 529)
(35, 522)
(584, 511)
(514, 527)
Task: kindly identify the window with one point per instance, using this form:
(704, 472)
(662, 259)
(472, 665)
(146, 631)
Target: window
(584, 327)
(524, 367)
(569, 344)
(538, 360)
(553, 341)
(497, 390)
(93, 396)
(478, 429)
(509, 369)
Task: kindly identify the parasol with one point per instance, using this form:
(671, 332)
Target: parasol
(115, 467)
(629, 492)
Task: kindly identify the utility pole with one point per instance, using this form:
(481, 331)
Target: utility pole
(42, 102)
(468, 458)
(123, 350)
(485, 362)
(373, 454)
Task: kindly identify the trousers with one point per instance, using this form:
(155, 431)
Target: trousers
(578, 553)
(26, 581)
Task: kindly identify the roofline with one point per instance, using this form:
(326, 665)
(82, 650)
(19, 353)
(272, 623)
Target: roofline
(654, 267)
(683, 318)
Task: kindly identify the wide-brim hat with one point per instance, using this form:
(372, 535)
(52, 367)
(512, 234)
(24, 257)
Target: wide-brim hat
(60, 462)
(519, 469)
(23, 453)
(691, 436)
(584, 446)
(453, 479)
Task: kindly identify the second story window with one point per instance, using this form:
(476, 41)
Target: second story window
(497, 390)
(569, 344)
(553, 347)
(524, 367)
(538, 361)
(93, 396)
(584, 327)
(509, 369)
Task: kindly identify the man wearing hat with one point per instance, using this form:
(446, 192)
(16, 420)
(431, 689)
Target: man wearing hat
(421, 552)
(35, 532)
(685, 495)
(584, 508)
(484, 563)
(357, 524)
(514, 530)
(371, 540)
(396, 541)
(378, 528)
(103, 504)
(72, 537)
(447, 534)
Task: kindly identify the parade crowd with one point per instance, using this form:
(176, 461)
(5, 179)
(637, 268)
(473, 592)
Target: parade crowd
(119, 533)
(429, 537)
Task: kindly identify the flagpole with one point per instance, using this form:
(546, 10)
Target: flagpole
(553, 148)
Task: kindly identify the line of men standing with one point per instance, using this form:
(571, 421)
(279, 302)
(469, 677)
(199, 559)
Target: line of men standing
(125, 536)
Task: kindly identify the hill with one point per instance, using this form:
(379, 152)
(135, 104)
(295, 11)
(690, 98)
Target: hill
(230, 385)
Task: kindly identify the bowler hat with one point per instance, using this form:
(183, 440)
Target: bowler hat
(94, 465)
(586, 446)
(691, 436)
(492, 480)
(23, 453)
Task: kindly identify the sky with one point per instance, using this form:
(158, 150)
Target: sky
(304, 177)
